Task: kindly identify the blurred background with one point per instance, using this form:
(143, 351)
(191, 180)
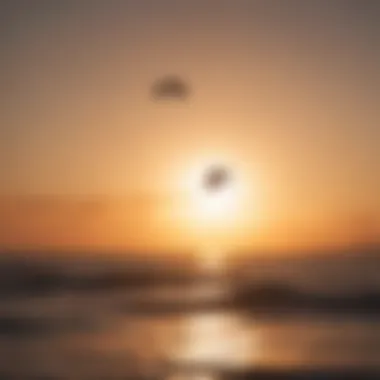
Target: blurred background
(189, 189)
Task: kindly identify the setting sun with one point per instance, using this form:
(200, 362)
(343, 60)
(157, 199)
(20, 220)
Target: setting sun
(213, 205)
(215, 193)
(220, 198)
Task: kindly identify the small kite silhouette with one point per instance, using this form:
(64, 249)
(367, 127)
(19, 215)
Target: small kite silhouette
(170, 87)
(216, 178)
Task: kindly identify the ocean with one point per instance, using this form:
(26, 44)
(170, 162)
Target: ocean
(93, 318)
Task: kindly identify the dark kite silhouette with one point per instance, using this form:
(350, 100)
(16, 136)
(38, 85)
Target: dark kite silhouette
(170, 87)
(216, 178)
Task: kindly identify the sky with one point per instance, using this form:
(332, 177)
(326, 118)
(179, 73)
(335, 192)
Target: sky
(285, 92)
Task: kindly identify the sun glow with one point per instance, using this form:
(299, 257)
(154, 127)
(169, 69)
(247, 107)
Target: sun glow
(213, 207)
(216, 211)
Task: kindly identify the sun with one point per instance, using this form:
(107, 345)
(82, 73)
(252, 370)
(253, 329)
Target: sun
(214, 205)
(215, 194)
(218, 200)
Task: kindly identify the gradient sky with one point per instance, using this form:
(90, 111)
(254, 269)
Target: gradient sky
(288, 88)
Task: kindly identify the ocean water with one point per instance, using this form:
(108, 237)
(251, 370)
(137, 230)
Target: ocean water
(92, 332)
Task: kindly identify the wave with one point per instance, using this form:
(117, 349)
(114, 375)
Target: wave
(21, 278)
(27, 278)
(282, 297)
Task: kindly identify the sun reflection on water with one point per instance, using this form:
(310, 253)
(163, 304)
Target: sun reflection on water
(213, 341)
(201, 376)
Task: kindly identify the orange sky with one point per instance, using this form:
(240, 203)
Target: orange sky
(289, 93)
(158, 223)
